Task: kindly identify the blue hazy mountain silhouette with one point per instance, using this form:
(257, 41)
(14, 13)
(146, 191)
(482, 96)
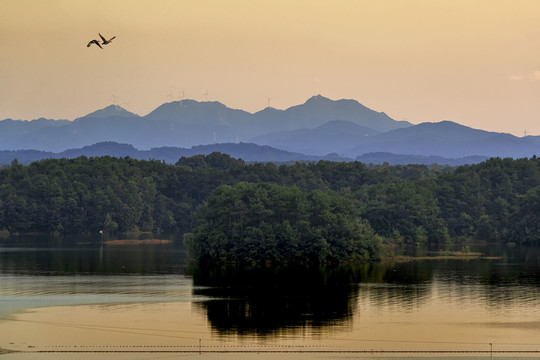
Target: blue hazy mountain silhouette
(319, 110)
(320, 126)
(448, 139)
(247, 151)
(405, 159)
(12, 131)
(188, 123)
(336, 136)
(109, 111)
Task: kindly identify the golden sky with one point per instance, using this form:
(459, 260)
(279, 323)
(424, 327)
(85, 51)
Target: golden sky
(475, 62)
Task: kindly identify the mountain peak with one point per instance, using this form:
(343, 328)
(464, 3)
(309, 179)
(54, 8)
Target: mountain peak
(175, 108)
(110, 111)
(269, 111)
(318, 99)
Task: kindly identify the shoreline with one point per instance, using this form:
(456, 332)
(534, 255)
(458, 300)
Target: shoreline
(137, 242)
(6, 351)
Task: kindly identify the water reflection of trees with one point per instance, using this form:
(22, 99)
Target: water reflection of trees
(403, 285)
(287, 300)
(265, 301)
(70, 258)
(506, 282)
(268, 300)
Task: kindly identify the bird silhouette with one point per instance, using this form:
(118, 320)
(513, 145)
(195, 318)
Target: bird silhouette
(105, 41)
(94, 42)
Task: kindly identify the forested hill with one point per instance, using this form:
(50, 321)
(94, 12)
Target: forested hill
(496, 200)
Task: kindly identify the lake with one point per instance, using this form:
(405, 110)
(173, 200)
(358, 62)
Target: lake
(147, 301)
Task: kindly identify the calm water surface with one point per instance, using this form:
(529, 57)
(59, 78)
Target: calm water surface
(417, 305)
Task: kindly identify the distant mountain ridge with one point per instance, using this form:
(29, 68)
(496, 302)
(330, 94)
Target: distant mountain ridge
(448, 139)
(109, 111)
(245, 151)
(189, 123)
(404, 159)
(10, 129)
(318, 110)
(334, 136)
(320, 126)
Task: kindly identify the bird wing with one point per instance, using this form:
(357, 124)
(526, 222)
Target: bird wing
(94, 42)
(111, 39)
(102, 38)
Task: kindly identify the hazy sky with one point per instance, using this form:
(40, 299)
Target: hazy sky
(474, 62)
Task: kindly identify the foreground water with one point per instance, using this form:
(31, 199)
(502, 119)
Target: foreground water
(104, 300)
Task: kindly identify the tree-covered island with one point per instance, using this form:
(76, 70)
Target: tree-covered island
(233, 211)
(251, 222)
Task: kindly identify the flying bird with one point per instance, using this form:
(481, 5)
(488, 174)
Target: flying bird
(105, 41)
(94, 42)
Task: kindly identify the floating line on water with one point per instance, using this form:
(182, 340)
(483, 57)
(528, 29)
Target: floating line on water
(276, 351)
(117, 329)
(156, 333)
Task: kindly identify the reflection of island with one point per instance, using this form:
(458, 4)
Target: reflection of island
(266, 301)
(269, 300)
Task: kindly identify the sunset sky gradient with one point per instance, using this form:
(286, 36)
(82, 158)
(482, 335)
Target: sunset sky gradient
(475, 62)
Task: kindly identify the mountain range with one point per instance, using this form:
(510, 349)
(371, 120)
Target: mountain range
(246, 151)
(345, 129)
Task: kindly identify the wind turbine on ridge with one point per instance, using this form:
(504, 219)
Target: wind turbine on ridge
(181, 98)
(114, 100)
(125, 104)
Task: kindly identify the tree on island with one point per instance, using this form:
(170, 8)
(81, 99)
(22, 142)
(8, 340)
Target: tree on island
(264, 222)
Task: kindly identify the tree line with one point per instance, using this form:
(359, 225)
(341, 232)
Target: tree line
(264, 203)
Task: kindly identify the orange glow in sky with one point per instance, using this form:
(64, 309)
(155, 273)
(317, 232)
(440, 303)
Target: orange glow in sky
(475, 62)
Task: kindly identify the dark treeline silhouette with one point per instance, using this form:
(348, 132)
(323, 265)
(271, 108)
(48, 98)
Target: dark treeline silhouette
(221, 197)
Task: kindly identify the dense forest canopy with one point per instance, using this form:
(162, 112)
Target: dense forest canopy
(305, 203)
(250, 221)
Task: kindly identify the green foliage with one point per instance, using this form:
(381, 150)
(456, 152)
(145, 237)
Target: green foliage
(267, 222)
(403, 207)
(525, 222)
(214, 160)
(493, 200)
(321, 211)
(87, 195)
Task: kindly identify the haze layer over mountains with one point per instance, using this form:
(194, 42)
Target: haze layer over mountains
(343, 128)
